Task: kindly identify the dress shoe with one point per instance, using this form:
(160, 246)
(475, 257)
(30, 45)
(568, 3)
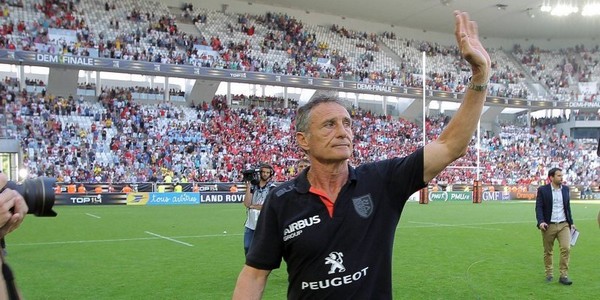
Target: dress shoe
(565, 281)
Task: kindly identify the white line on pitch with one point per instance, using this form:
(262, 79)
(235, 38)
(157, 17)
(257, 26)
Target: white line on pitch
(122, 240)
(472, 225)
(168, 238)
(428, 224)
(480, 261)
(93, 216)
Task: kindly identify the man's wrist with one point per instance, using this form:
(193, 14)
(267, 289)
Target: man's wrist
(477, 87)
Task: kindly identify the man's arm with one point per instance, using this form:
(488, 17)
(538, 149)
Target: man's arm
(248, 196)
(250, 284)
(453, 141)
(539, 210)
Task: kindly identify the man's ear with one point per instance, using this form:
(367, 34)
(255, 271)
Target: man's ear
(302, 140)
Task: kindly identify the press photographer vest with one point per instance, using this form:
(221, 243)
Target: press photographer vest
(259, 194)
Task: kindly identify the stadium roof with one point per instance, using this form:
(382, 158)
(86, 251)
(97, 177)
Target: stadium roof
(506, 19)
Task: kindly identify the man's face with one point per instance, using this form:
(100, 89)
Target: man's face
(329, 137)
(265, 174)
(557, 179)
(302, 165)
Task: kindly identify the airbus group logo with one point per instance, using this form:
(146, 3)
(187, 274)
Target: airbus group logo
(295, 229)
(336, 261)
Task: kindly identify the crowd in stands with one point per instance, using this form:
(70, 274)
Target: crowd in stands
(116, 139)
(523, 156)
(189, 14)
(563, 69)
(131, 89)
(11, 81)
(219, 102)
(34, 82)
(366, 40)
(154, 36)
(86, 85)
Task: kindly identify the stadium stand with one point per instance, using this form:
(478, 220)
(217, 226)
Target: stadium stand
(120, 140)
(277, 43)
(120, 137)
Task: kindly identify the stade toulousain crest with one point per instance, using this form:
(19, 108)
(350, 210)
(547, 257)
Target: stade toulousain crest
(363, 205)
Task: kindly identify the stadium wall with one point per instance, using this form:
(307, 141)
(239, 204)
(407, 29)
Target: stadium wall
(150, 194)
(197, 198)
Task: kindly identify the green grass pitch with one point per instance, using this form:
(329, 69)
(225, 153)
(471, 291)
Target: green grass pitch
(443, 250)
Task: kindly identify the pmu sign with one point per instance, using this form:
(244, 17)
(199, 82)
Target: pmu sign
(452, 196)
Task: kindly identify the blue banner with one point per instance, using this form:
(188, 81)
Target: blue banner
(173, 198)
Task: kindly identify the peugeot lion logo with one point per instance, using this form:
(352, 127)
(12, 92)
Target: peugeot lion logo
(335, 260)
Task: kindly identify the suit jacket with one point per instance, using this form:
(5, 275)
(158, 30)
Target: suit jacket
(543, 204)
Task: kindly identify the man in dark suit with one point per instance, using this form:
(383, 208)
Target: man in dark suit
(554, 219)
(598, 148)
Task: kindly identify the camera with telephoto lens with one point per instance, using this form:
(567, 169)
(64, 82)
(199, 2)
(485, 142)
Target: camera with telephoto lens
(38, 194)
(252, 175)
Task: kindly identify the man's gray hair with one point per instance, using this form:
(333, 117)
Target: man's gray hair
(303, 114)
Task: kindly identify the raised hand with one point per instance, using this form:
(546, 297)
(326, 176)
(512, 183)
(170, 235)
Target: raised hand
(471, 49)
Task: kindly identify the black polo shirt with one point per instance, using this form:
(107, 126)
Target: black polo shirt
(344, 256)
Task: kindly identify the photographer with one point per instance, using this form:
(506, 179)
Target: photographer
(12, 211)
(256, 193)
(302, 164)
